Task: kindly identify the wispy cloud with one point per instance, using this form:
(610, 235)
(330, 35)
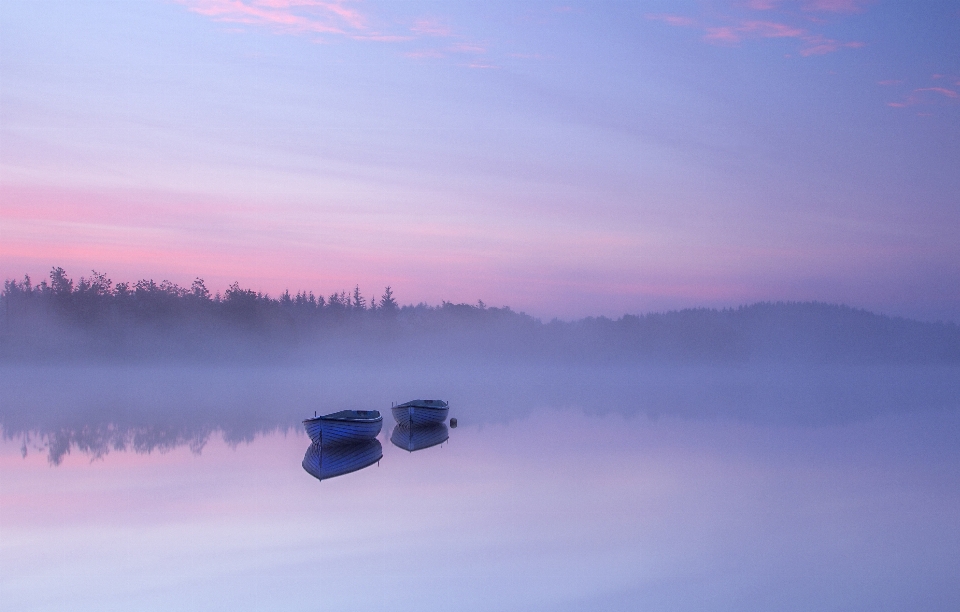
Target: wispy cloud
(425, 54)
(385, 38)
(736, 26)
(811, 6)
(286, 16)
(762, 5)
(674, 20)
(927, 96)
(835, 6)
(723, 35)
(531, 56)
(429, 26)
(956, 80)
(338, 18)
(770, 29)
(819, 45)
(941, 92)
(446, 42)
(468, 48)
(453, 50)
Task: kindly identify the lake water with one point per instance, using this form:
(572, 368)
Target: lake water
(143, 489)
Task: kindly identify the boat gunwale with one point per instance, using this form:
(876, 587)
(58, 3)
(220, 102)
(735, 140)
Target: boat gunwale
(415, 404)
(379, 417)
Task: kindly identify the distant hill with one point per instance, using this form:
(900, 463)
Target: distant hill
(93, 318)
(807, 331)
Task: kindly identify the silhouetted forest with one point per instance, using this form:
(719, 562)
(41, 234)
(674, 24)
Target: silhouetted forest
(62, 319)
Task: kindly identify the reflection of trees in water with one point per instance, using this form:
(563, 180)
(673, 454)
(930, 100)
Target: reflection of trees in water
(100, 439)
(97, 409)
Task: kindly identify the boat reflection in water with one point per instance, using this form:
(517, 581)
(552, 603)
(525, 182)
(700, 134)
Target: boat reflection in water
(417, 438)
(339, 459)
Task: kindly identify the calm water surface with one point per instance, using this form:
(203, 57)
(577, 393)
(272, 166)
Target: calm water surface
(560, 508)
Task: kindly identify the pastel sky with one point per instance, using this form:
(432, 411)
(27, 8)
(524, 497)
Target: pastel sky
(566, 159)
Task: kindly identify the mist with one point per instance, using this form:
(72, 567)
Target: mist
(88, 366)
(91, 320)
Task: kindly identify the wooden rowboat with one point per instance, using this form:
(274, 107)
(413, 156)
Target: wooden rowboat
(344, 427)
(421, 412)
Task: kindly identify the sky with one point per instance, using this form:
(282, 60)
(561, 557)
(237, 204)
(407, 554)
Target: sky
(565, 159)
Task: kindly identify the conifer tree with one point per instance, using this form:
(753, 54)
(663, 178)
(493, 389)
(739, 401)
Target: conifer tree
(387, 303)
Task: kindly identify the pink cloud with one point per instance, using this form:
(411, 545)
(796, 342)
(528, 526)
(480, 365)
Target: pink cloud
(761, 5)
(431, 27)
(769, 29)
(350, 16)
(722, 35)
(834, 6)
(730, 31)
(814, 44)
(674, 20)
(468, 48)
(918, 96)
(327, 17)
(291, 16)
(390, 38)
(940, 90)
(424, 54)
(817, 45)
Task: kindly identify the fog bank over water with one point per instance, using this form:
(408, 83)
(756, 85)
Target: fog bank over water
(94, 409)
(93, 367)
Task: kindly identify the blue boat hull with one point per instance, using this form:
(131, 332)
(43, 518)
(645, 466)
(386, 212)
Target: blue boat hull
(418, 438)
(419, 416)
(335, 431)
(323, 462)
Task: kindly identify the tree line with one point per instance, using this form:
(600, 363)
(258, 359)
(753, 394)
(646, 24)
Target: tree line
(60, 315)
(93, 296)
(93, 315)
